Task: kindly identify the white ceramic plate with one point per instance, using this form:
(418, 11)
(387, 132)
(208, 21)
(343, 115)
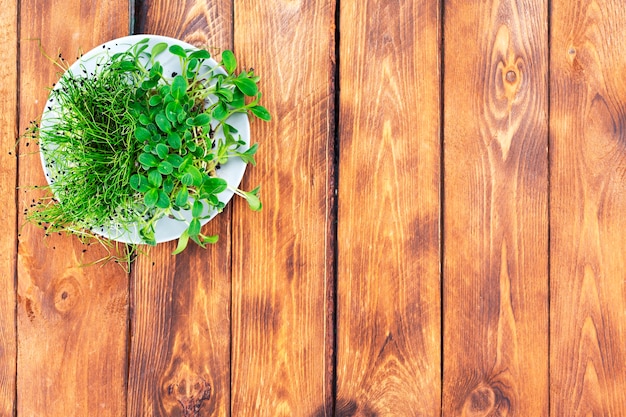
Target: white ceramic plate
(166, 228)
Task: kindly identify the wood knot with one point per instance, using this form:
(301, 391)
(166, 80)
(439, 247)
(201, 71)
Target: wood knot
(483, 401)
(66, 294)
(351, 408)
(190, 396)
(511, 76)
(571, 54)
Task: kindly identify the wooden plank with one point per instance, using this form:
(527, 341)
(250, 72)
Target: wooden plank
(588, 178)
(180, 350)
(282, 256)
(8, 171)
(388, 358)
(495, 209)
(72, 321)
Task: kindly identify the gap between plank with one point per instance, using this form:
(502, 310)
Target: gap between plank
(548, 197)
(18, 97)
(334, 209)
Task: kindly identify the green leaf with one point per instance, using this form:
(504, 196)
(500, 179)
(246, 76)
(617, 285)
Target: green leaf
(139, 183)
(239, 100)
(252, 149)
(209, 239)
(187, 179)
(128, 66)
(154, 178)
(147, 234)
(191, 68)
(156, 71)
(173, 139)
(151, 197)
(194, 227)
(165, 168)
(248, 155)
(163, 200)
(142, 134)
(202, 119)
(175, 160)
(157, 49)
(182, 243)
(172, 110)
(186, 162)
(229, 61)
(261, 112)
(196, 174)
(179, 87)
(182, 197)
(168, 185)
(162, 150)
(220, 112)
(226, 94)
(253, 201)
(197, 208)
(147, 159)
(165, 90)
(162, 122)
(155, 100)
(144, 120)
(149, 84)
(178, 50)
(247, 86)
(214, 185)
(200, 54)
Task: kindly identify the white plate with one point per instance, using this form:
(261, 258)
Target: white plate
(166, 228)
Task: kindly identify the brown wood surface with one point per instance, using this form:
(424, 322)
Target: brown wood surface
(72, 321)
(588, 206)
(495, 209)
(282, 256)
(8, 172)
(180, 348)
(388, 353)
(418, 253)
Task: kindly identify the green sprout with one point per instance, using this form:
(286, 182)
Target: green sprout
(131, 144)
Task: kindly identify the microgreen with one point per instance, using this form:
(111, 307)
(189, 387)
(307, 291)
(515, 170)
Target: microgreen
(130, 144)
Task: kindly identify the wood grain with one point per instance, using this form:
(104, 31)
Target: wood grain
(72, 321)
(282, 256)
(8, 172)
(588, 202)
(388, 354)
(495, 209)
(180, 349)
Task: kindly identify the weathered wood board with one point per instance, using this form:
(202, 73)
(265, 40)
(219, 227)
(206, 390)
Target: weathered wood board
(388, 254)
(282, 256)
(587, 209)
(8, 178)
(495, 267)
(180, 348)
(72, 321)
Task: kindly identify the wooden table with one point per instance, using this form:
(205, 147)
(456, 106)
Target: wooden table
(444, 189)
